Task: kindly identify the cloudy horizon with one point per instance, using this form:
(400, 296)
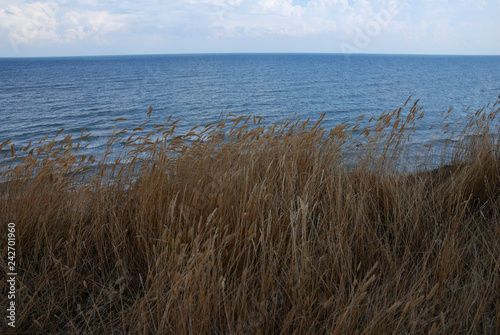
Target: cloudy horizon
(88, 27)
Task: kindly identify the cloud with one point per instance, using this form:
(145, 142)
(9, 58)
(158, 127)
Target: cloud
(216, 2)
(185, 24)
(95, 24)
(239, 18)
(34, 23)
(31, 22)
(279, 7)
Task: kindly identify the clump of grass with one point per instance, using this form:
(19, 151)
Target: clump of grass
(236, 227)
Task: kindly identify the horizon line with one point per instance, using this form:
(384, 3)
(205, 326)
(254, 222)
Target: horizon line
(253, 53)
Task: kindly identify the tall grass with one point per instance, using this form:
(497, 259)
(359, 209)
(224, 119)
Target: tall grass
(240, 228)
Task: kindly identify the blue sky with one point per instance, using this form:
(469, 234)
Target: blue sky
(110, 27)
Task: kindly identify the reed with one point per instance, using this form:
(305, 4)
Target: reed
(237, 227)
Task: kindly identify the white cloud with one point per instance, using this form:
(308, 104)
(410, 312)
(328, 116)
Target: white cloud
(280, 7)
(325, 4)
(34, 23)
(183, 24)
(30, 23)
(271, 17)
(95, 24)
(216, 2)
(480, 4)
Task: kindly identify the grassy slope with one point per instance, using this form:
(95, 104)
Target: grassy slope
(280, 229)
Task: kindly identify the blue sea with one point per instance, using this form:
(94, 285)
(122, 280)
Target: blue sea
(39, 96)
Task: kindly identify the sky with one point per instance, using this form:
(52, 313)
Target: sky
(116, 27)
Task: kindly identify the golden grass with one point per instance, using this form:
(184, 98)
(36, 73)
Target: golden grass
(238, 228)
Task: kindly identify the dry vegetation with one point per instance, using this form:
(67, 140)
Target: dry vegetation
(237, 228)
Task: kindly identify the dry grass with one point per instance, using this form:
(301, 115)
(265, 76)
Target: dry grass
(237, 228)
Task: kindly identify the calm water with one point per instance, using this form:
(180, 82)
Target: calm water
(41, 95)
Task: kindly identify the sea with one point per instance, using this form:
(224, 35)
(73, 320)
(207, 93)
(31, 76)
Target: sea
(40, 96)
